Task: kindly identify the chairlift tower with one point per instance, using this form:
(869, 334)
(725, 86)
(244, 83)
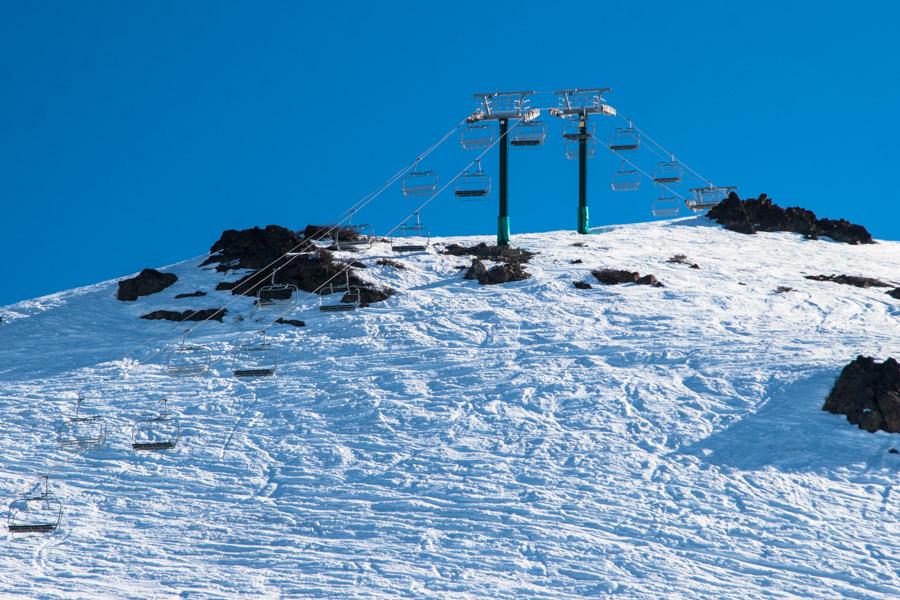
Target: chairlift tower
(501, 107)
(580, 104)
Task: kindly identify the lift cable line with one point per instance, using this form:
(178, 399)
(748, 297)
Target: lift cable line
(578, 105)
(328, 284)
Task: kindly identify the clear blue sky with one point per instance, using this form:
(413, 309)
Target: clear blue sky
(133, 133)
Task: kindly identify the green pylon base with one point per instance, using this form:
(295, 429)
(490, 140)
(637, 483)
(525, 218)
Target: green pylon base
(503, 231)
(582, 219)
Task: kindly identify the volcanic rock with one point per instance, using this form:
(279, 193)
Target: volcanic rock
(149, 281)
(681, 259)
(495, 253)
(894, 293)
(868, 392)
(253, 248)
(854, 280)
(501, 273)
(196, 294)
(582, 285)
(206, 314)
(293, 322)
(387, 262)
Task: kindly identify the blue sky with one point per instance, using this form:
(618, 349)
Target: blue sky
(132, 134)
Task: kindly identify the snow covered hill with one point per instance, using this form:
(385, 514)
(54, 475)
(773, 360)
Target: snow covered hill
(526, 440)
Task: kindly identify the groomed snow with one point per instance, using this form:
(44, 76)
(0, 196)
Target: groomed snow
(527, 440)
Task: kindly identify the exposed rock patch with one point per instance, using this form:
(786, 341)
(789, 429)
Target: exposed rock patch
(495, 253)
(253, 248)
(577, 261)
(206, 314)
(503, 272)
(387, 262)
(582, 285)
(854, 280)
(783, 289)
(149, 281)
(293, 322)
(618, 276)
(681, 259)
(868, 392)
(894, 293)
(761, 214)
(196, 294)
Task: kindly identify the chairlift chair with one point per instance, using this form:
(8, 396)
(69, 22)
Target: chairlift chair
(626, 179)
(255, 359)
(37, 510)
(407, 233)
(666, 206)
(473, 184)
(476, 136)
(82, 432)
(625, 139)
(668, 172)
(360, 236)
(418, 183)
(269, 295)
(572, 137)
(708, 197)
(350, 297)
(155, 434)
(529, 133)
(188, 360)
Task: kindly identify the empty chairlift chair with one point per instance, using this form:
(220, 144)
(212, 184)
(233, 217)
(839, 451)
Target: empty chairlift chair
(668, 172)
(476, 136)
(529, 134)
(418, 183)
(349, 296)
(156, 434)
(81, 432)
(255, 359)
(666, 206)
(274, 294)
(708, 197)
(626, 179)
(473, 184)
(572, 137)
(624, 139)
(411, 236)
(188, 360)
(36, 510)
(353, 237)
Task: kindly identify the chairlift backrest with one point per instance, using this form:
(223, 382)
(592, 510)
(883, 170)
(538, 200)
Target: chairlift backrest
(477, 135)
(188, 360)
(668, 172)
(255, 359)
(474, 183)
(626, 179)
(80, 431)
(625, 139)
(529, 133)
(419, 184)
(36, 510)
(666, 206)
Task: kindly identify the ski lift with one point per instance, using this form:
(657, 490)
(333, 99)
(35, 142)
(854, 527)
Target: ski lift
(350, 297)
(354, 236)
(572, 149)
(419, 184)
(625, 138)
(37, 510)
(707, 197)
(257, 359)
(529, 133)
(474, 183)
(572, 139)
(269, 295)
(668, 172)
(81, 432)
(154, 434)
(188, 360)
(626, 179)
(477, 135)
(410, 236)
(666, 206)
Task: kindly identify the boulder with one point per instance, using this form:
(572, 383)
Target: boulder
(206, 314)
(582, 285)
(854, 280)
(253, 248)
(761, 214)
(868, 392)
(615, 276)
(681, 259)
(894, 293)
(387, 262)
(503, 272)
(293, 322)
(495, 253)
(648, 280)
(196, 294)
(149, 281)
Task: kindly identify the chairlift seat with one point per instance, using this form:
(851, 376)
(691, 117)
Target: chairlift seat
(82, 432)
(419, 184)
(254, 360)
(155, 434)
(35, 512)
(36, 528)
(626, 179)
(666, 206)
(152, 446)
(476, 136)
(341, 305)
(529, 133)
(625, 139)
(188, 360)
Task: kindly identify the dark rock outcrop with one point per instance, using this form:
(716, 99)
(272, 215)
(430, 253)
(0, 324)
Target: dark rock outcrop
(387, 262)
(854, 280)
(761, 214)
(196, 294)
(783, 289)
(681, 259)
(868, 392)
(618, 276)
(149, 281)
(330, 232)
(577, 261)
(582, 285)
(495, 253)
(206, 314)
(253, 248)
(894, 293)
(293, 322)
(503, 272)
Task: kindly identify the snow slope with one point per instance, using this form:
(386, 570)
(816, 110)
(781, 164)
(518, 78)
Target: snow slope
(528, 440)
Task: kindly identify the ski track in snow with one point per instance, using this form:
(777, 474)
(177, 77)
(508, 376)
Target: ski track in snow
(464, 441)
